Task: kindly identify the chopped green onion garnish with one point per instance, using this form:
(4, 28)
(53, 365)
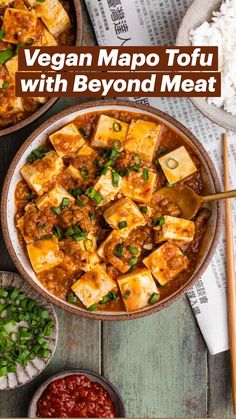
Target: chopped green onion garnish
(80, 237)
(5, 55)
(133, 261)
(118, 250)
(126, 294)
(58, 232)
(144, 210)
(135, 168)
(3, 293)
(2, 34)
(92, 216)
(104, 299)
(65, 202)
(69, 232)
(20, 343)
(72, 299)
(162, 150)
(112, 295)
(93, 307)
(145, 173)
(122, 224)
(57, 210)
(105, 170)
(153, 298)
(169, 185)
(38, 153)
(117, 127)
(80, 203)
(84, 173)
(93, 194)
(133, 250)
(159, 222)
(76, 191)
(6, 84)
(172, 163)
(115, 178)
(137, 160)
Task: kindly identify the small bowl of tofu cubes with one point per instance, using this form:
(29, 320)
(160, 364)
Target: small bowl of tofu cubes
(84, 219)
(31, 23)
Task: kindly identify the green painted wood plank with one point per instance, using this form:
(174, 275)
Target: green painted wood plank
(159, 363)
(220, 399)
(78, 347)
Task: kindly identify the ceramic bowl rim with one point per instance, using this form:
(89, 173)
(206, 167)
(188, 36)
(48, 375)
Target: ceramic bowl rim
(107, 104)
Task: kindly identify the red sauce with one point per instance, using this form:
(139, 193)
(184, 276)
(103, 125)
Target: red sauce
(75, 396)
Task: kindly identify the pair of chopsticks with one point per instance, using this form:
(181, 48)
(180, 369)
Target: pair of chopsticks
(230, 272)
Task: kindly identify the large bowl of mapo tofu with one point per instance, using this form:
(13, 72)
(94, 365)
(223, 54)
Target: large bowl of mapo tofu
(36, 23)
(84, 222)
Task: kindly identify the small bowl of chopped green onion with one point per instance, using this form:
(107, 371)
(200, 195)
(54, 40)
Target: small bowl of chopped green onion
(28, 332)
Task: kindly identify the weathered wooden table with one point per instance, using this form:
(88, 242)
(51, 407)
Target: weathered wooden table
(160, 364)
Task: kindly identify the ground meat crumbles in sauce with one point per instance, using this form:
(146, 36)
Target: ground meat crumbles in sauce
(75, 396)
(83, 218)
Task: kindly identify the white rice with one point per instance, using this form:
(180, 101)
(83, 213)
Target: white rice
(221, 32)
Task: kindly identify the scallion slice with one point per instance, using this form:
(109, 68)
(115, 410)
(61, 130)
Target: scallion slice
(122, 224)
(57, 210)
(145, 173)
(65, 202)
(119, 250)
(115, 178)
(133, 250)
(172, 163)
(117, 127)
(84, 173)
(133, 261)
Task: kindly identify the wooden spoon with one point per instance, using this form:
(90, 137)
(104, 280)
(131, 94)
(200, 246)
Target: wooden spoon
(189, 201)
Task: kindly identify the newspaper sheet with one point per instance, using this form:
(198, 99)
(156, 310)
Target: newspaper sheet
(155, 22)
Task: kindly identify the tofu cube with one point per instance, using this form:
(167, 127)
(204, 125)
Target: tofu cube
(106, 251)
(142, 139)
(109, 131)
(177, 165)
(21, 227)
(44, 254)
(11, 106)
(12, 66)
(82, 253)
(41, 173)
(67, 140)
(53, 198)
(138, 189)
(93, 286)
(44, 37)
(73, 172)
(19, 25)
(87, 151)
(53, 15)
(137, 288)
(174, 228)
(124, 216)
(105, 187)
(166, 263)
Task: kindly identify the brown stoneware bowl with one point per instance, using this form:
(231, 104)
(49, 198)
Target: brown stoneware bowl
(93, 376)
(14, 247)
(44, 108)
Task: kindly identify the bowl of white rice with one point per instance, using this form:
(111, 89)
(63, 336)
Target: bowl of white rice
(213, 23)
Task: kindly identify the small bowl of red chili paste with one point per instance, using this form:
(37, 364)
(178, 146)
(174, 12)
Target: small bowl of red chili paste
(77, 394)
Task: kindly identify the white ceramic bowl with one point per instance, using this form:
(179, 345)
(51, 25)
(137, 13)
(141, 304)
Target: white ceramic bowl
(199, 12)
(38, 136)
